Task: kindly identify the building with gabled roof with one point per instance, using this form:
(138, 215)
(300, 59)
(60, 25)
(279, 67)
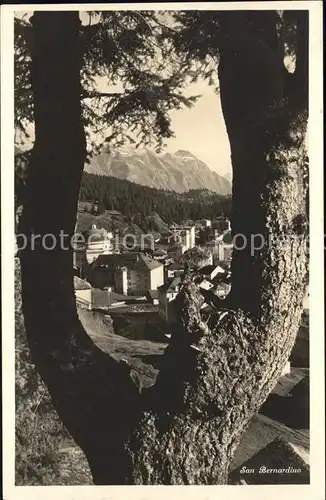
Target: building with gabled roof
(185, 235)
(130, 273)
(167, 294)
(211, 271)
(88, 245)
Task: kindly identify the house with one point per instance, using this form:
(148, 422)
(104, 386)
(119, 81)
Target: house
(206, 285)
(130, 273)
(138, 278)
(211, 271)
(221, 224)
(223, 247)
(175, 270)
(160, 254)
(102, 271)
(197, 257)
(83, 292)
(152, 297)
(176, 250)
(184, 235)
(166, 296)
(207, 223)
(225, 237)
(89, 245)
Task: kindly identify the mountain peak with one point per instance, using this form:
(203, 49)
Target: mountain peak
(179, 172)
(184, 153)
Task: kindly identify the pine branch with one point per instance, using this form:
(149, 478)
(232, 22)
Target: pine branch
(95, 94)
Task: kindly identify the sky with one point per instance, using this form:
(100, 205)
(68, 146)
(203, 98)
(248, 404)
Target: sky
(200, 129)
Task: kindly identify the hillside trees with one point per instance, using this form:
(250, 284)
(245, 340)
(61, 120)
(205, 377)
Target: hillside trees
(132, 199)
(184, 429)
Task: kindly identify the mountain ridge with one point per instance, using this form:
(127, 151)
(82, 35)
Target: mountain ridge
(179, 172)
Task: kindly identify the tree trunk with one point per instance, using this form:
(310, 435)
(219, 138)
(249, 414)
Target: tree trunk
(185, 429)
(92, 393)
(242, 351)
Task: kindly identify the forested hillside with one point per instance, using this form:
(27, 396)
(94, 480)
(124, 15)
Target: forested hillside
(137, 202)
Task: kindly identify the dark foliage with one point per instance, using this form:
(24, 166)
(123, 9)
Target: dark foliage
(137, 202)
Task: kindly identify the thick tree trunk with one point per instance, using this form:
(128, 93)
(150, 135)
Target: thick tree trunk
(243, 349)
(93, 394)
(185, 429)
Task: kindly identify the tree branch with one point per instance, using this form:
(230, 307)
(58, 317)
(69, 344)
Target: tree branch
(95, 94)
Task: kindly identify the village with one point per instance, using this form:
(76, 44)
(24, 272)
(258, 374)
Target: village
(136, 280)
(113, 275)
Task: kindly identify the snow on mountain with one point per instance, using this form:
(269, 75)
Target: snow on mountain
(178, 172)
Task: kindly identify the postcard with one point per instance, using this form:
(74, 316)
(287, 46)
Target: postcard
(162, 192)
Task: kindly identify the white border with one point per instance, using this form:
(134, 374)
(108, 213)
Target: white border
(316, 488)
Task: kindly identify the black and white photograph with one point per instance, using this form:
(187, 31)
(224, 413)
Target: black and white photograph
(164, 299)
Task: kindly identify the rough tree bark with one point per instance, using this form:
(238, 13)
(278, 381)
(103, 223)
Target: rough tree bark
(185, 429)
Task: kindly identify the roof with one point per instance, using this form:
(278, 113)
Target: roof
(198, 251)
(210, 268)
(95, 234)
(113, 212)
(226, 237)
(176, 266)
(160, 252)
(80, 284)
(100, 298)
(150, 263)
(115, 261)
(171, 286)
(176, 246)
(195, 254)
(153, 294)
(222, 279)
(278, 455)
(119, 297)
(205, 284)
(131, 260)
(181, 227)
